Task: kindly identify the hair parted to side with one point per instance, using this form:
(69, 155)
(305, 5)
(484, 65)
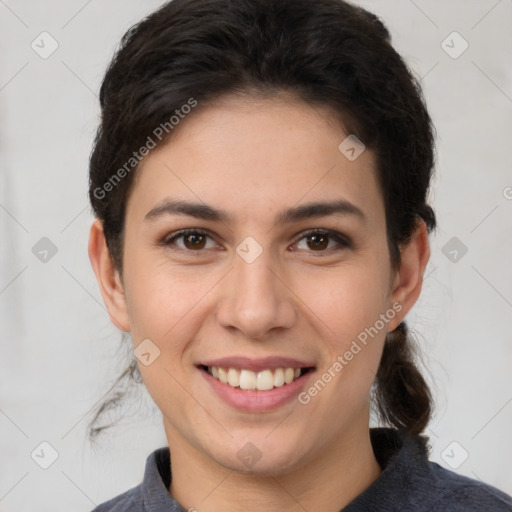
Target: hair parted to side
(324, 52)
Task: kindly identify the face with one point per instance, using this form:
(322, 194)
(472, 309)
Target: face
(264, 280)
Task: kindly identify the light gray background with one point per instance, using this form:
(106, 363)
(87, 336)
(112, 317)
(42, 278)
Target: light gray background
(58, 349)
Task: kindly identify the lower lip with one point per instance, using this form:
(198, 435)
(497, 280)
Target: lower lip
(257, 401)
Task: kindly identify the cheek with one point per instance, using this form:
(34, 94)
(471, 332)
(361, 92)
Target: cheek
(166, 306)
(348, 309)
(160, 296)
(348, 301)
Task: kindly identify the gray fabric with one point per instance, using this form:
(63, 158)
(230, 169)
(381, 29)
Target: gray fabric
(408, 482)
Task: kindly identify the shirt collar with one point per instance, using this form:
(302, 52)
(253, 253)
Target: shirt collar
(403, 458)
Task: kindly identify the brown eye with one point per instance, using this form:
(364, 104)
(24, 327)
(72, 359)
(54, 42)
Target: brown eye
(322, 240)
(318, 242)
(192, 240)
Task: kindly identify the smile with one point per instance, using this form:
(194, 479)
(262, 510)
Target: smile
(256, 384)
(263, 380)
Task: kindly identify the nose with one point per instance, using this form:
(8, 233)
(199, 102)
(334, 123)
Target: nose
(255, 298)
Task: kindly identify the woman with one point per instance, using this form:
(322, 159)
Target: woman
(259, 180)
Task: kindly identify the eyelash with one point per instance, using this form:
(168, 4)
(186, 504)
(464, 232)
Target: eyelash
(340, 239)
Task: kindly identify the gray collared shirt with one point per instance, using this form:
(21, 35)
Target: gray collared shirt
(408, 482)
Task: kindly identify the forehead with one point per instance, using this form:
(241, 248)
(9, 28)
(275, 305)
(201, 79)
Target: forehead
(252, 157)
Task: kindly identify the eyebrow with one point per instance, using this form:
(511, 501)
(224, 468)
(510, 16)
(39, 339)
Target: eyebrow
(295, 214)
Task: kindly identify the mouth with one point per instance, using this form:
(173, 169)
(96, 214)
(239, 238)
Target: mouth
(265, 379)
(256, 385)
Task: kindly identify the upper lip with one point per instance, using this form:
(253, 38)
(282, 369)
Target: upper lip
(257, 365)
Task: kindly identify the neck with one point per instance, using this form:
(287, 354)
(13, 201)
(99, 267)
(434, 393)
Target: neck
(326, 484)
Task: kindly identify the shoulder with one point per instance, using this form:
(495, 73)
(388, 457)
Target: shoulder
(460, 493)
(410, 481)
(129, 501)
(151, 494)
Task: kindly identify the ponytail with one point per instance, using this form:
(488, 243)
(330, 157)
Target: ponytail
(403, 397)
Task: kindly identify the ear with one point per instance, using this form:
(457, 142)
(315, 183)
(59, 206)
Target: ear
(110, 283)
(408, 280)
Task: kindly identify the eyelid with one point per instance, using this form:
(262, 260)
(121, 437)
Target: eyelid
(342, 240)
(339, 238)
(167, 239)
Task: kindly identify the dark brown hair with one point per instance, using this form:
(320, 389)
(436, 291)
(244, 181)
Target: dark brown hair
(325, 52)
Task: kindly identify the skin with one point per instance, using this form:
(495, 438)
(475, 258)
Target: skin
(255, 158)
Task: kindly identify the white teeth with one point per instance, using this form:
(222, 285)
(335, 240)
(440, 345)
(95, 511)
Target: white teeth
(278, 377)
(249, 380)
(288, 375)
(223, 375)
(233, 377)
(265, 380)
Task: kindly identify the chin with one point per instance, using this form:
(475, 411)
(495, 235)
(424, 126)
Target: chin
(257, 454)
(261, 464)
